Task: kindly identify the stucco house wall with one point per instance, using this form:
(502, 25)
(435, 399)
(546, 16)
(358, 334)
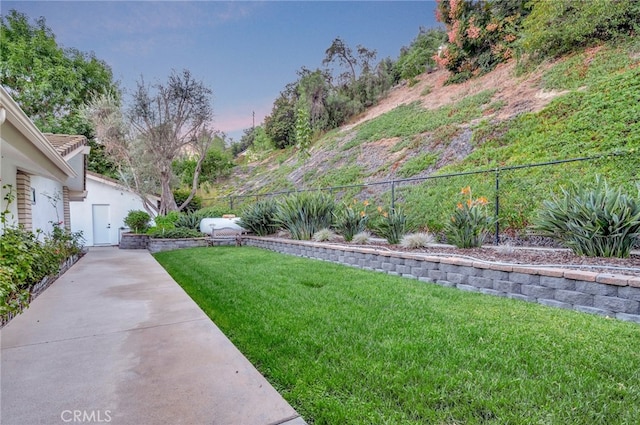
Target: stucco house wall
(104, 197)
(47, 206)
(34, 165)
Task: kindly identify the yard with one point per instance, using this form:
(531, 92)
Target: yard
(347, 346)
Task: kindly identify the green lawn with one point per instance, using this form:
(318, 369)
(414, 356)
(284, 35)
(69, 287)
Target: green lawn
(346, 346)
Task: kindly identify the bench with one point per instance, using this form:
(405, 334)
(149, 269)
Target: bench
(225, 236)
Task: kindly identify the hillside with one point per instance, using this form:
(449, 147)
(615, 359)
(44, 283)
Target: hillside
(582, 105)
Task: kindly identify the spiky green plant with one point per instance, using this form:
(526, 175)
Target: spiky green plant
(190, 220)
(596, 221)
(303, 214)
(392, 225)
(260, 218)
(470, 222)
(351, 219)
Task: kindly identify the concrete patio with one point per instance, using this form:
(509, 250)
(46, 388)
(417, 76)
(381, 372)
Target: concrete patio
(116, 340)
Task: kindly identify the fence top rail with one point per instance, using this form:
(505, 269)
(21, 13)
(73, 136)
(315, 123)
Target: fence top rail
(439, 176)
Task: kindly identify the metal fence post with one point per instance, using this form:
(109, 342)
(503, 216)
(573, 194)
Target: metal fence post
(393, 195)
(231, 202)
(497, 240)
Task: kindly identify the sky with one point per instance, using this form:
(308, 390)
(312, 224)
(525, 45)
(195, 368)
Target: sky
(245, 51)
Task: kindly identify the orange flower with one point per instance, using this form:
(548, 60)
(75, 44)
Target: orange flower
(482, 200)
(366, 203)
(466, 190)
(362, 214)
(459, 205)
(379, 209)
(385, 214)
(469, 203)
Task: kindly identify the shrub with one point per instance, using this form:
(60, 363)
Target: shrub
(260, 218)
(188, 221)
(64, 243)
(181, 195)
(392, 225)
(417, 240)
(167, 221)
(470, 222)
(324, 235)
(175, 233)
(351, 219)
(29, 259)
(137, 221)
(303, 214)
(597, 221)
(362, 238)
(12, 298)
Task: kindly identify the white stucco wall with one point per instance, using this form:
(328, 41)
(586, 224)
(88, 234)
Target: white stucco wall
(119, 200)
(49, 207)
(8, 176)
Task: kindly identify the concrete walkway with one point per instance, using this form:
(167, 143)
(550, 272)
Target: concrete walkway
(116, 340)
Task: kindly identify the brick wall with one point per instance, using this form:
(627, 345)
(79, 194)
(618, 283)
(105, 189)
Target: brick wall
(596, 293)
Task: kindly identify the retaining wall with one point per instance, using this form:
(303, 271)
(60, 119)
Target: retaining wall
(157, 245)
(133, 241)
(597, 293)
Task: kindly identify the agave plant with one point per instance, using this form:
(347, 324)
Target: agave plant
(305, 213)
(392, 225)
(190, 220)
(351, 219)
(597, 221)
(260, 218)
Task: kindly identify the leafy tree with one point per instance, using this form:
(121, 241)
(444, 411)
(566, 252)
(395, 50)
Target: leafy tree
(162, 122)
(48, 82)
(343, 54)
(280, 125)
(313, 90)
(194, 204)
(100, 162)
(218, 162)
(481, 34)
(418, 57)
(261, 141)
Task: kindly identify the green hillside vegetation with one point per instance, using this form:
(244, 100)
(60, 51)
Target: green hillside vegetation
(543, 108)
(599, 114)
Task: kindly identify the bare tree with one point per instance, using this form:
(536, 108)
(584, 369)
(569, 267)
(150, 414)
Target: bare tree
(164, 122)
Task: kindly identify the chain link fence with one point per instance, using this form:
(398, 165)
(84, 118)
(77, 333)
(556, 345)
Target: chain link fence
(513, 193)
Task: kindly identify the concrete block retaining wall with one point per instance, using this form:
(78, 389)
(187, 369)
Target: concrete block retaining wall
(596, 293)
(133, 241)
(157, 245)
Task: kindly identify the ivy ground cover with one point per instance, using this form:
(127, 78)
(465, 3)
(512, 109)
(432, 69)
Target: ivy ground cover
(348, 346)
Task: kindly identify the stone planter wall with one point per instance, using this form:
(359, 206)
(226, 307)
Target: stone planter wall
(597, 293)
(157, 245)
(133, 241)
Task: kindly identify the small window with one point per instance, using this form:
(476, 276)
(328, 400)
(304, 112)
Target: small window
(33, 196)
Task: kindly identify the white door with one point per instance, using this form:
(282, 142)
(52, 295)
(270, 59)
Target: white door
(101, 225)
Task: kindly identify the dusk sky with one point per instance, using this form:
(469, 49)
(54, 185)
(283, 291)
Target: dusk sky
(246, 52)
